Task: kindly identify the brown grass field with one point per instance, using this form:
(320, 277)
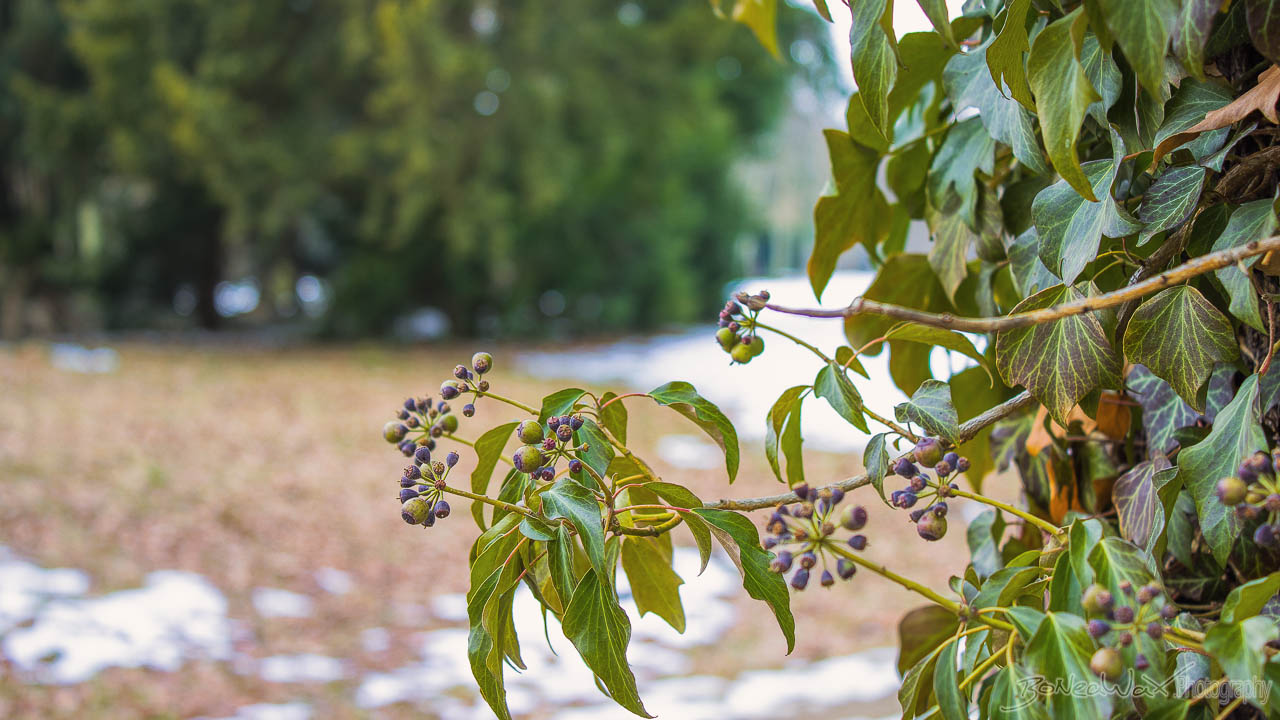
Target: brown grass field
(255, 467)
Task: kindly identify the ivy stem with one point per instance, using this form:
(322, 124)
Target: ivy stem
(507, 400)
(651, 531)
(490, 501)
(1209, 690)
(1042, 524)
(759, 325)
(986, 664)
(619, 397)
(910, 584)
(1193, 635)
(1229, 708)
(471, 443)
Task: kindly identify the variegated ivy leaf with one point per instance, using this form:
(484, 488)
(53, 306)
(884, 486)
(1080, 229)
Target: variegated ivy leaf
(1141, 27)
(1061, 361)
(1028, 272)
(1063, 94)
(1235, 436)
(1137, 499)
(1191, 31)
(966, 149)
(1005, 55)
(969, 84)
(1170, 199)
(1070, 226)
(1164, 413)
(1249, 222)
(930, 407)
(1193, 100)
(1179, 336)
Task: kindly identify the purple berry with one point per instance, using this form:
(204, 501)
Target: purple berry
(858, 542)
(800, 579)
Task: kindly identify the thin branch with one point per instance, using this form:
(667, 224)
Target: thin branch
(967, 431)
(1191, 268)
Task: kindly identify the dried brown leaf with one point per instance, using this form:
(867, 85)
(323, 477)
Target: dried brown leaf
(1262, 97)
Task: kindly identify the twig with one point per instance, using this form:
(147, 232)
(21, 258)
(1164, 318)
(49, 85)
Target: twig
(1191, 268)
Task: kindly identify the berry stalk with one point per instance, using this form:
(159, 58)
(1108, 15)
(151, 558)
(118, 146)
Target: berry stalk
(1042, 524)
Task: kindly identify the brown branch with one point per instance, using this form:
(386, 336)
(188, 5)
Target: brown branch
(1191, 268)
(967, 431)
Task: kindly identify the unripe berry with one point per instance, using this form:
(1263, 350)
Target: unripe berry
(808, 560)
(450, 389)
(437, 468)
(800, 579)
(483, 386)
(1273, 503)
(1155, 630)
(756, 345)
(741, 354)
(528, 458)
(393, 432)
(575, 466)
(1231, 491)
(854, 518)
(1098, 628)
(943, 468)
(468, 410)
(441, 509)
(858, 542)
(837, 495)
(928, 451)
(1097, 599)
(845, 568)
(827, 579)
(449, 423)
(564, 432)
(529, 432)
(482, 362)
(415, 510)
(1107, 664)
(1124, 614)
(727, 338)
(451, 459)
(931, 527)
(906, 468)
(461, 372)
(436, 431)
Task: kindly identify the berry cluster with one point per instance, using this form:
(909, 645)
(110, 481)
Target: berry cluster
(1122, 623)
(418, 424)
(542, 448)
(737, 333)
(1253, 491)
(804, 533)
(931, 519)
(422, 488)
(467, 380)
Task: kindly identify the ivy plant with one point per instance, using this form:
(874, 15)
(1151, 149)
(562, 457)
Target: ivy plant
(1099, 183)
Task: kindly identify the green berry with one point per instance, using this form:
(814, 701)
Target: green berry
(482, 362)
(742, 354)
(528, 458)
(394, 432)
(1231, 491)
(449, 423)
(757, 345)
(928, 451)
(1107, 664)
(931, 526)
(1097, 599)
(415, 510)
(727, 338)
(529, 432)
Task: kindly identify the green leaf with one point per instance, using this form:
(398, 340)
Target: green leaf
(1193, 100)
(1170, 200)
(1029, 272)
(567, 499)
(856, 214)
(1263, 17)
(614, 417)
(1164, 413)
(654, 585)
(967, 149)
(1191, 31)
(1235, 436)
(1059, 362)
(1249, 222)
(1191, 670)
(1247, 600)
(560, 562)
(1239, 647)
(875, 458)
(600, 630)
(1063, 94)
(1179, 336)
(930, 408)
(905, 279)
(834, 386)
(761, 17)
(1103, 73)
(783, 411)
(1059, 651)
(701, 535)
(684, 399)
(1137, 499)
(1005, 54)
(922, 630)
(946, 686)
(983, 536)
(974, 392)
(488, 449)
(1142, 29)
(599, 450)
(560, 402)
(949, 255)
(1013, 696)
(939, 337)
(742, 543)
(916, 691)
(939, 16)
(480, 644)
(875, 65)
(1070, 226)
(969, 84)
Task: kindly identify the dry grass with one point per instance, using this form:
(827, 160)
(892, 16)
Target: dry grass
(256, 467)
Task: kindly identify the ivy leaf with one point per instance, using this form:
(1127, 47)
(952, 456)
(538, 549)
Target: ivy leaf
(834, 386)
(930, 408)
(560, 402)
(560, 562)
(1013, 696)
(969, 84)
(1164, 413)
(856, 214)
(1063, 93)
(1070, 226)
(1142, 29)
(973, 392)
(1059, 362)
(875, 458)
(966, 150)
(1059, 650)
(905, 279)
(684, 399)
(1170, 200)
(1251, 221)
(875, 64)
(761, 17)
(1029, 272)
(920, 631)
(983, 537)
(1239, 647)
(480, 643)
(488, 449)
(654, 585)
(1264, 26)
(939, 16)
(1179, 336)
(784, 411)
(614, 416)
(567, 499)
(701, 535)
(949, 255)
(1247, 600)
(598, 627)
(1005, 54)
(1235, 436)
(740, 540)
(939, 337)
(1191, 31)
(1189, 105)
(1137, 499)
(1103, 73)
(599, 450)
(946, 686)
